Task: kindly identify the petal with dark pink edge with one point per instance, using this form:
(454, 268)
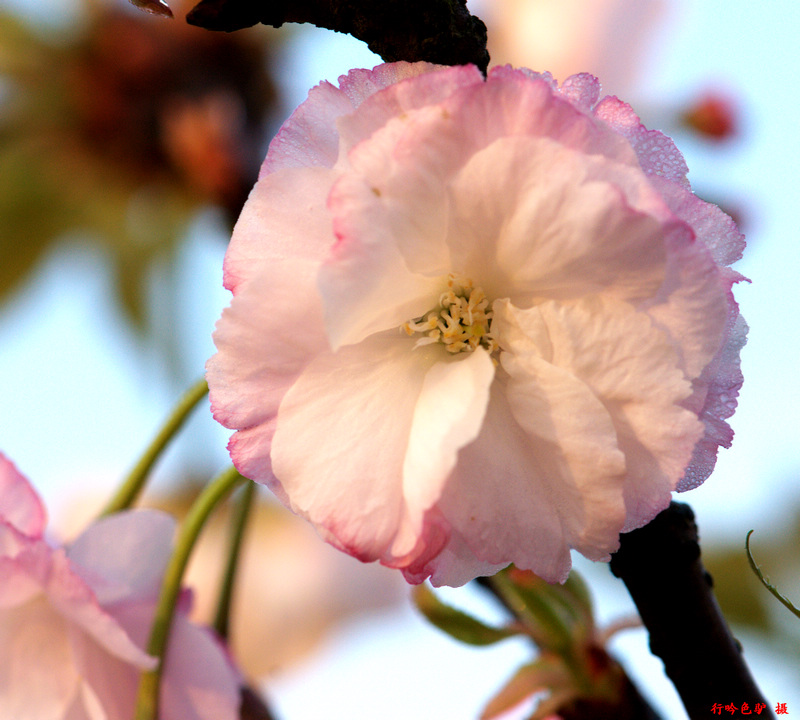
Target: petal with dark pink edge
(20, 504)
(433, 85)
(265, 338)
(284, 217)
(453, 566)
(724, 378)
(503, 499)
(448, 415)
(632, 367)
(716, 230)
(342, 438)
(309, 138)
(531, 219)
(123, 557)
(657, 153)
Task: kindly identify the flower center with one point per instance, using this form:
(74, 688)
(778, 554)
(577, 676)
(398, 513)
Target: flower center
(461, 322)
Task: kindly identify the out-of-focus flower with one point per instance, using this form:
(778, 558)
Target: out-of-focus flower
(291, 589)
(476, 323)
(119, 130)
(713, 115)
(73, 621)
(607, 38)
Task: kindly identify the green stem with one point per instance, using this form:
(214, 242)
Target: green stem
(134, 483)
(238, 525)
(214, 493)
(766, 583)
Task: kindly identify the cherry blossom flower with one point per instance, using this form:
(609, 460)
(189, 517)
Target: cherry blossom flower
(476, 322)
(73, 621)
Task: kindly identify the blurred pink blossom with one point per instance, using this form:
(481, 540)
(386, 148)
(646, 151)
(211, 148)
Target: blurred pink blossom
(608, 38)
(73, 621)
(476, 322)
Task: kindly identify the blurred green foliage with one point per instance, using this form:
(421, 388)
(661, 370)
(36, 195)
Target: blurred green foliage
(117, 131)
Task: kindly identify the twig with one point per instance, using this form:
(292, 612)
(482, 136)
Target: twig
(438, 31)
(660, 565)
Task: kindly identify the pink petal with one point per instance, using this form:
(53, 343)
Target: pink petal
(24, 566)
(123, 557)
(340, 444)
(107, 681)
(38, 680)
(284, 217)
(503, 502)
(657, 153)
(199, 682)
(633, 368)
(73, 599)
(525, 231)
(310, 138)
(431, 85)
(448, 415)
(261, 354)
(20, 505)
(723, 378)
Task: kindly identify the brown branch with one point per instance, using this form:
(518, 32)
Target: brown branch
(660, 565)
(438, 31)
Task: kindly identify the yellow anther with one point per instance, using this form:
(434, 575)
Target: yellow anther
(462, 322)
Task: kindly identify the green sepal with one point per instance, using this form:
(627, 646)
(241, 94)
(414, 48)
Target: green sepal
(457, 623)
(547, 673)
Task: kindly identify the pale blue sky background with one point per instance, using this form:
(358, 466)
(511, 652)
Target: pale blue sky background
(78, 400)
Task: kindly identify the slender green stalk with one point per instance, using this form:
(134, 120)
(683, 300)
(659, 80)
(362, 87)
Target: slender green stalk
(126, 495)
(213, 494)
(764, 581)
(238, 524)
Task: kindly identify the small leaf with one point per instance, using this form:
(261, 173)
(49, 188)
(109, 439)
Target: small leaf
(764, 581)
(546, 673)
(456, 623)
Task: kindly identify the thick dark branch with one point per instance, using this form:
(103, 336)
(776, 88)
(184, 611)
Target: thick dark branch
(660, 564)
(439, 31)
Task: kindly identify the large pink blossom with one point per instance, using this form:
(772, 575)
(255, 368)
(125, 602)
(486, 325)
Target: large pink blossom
(476, 322)
(73, 621)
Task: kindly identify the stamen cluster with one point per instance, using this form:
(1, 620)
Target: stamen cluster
(461, 322)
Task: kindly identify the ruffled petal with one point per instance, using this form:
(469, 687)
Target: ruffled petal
(270, 332)
(503, 503)
(657, 153)
(20, 505)
(525, 231)
(284, 217)
(722, 380)
(309, 138)
(341, 439)
(448, 415)
(633, 368)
